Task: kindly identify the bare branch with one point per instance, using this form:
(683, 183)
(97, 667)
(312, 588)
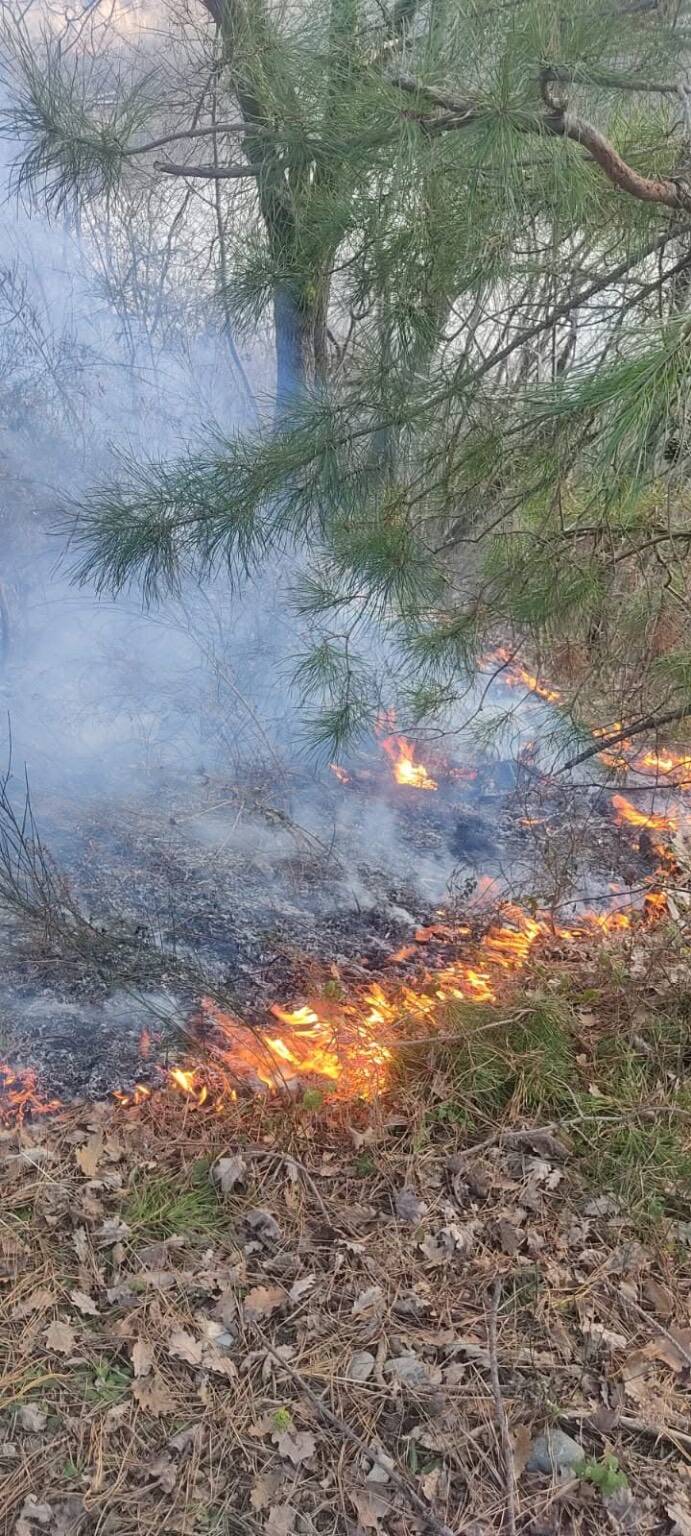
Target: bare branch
(666, 190)
(397, 1476)
(186, 133)
(562, 74)
(208, 172)
(575, 301)
(502, 1418)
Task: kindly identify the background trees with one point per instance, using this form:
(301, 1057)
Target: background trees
(466, 231)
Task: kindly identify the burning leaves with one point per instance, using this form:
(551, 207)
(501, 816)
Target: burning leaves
(350, 1042)
(516, 675)
(348, 1038)
(19, 1094)
(406, 770)
(627, 814)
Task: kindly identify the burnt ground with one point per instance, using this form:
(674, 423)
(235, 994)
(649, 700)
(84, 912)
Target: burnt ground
(256, 889)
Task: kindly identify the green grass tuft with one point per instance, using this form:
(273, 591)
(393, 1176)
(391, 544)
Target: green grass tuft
(171, 1205)
(623, 1098)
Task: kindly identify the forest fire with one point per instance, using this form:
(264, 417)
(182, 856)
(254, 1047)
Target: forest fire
(628, 814)
(405, 769)
(408, 771)
(346, 1035)
(515, 675)
(19, 1095)
(349, 1041)
(665, 763)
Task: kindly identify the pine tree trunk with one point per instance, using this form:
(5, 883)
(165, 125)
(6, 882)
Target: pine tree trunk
(300, 331)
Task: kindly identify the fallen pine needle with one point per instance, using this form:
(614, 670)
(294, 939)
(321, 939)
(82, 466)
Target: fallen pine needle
(502, 1420)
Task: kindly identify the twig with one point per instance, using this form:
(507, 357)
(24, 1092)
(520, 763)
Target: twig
(208, 172)
(507, 1448)
(669, 1432)
(505, 1136)
(431, 1041)
(344, 1429)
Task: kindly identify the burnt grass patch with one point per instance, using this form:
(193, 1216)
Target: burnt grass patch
(206, 886)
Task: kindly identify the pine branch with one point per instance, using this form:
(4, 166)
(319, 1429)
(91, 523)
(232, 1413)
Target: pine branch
(210, 172)
(463, 112)
(563, 74)
(649, 723)
(185, 133)
(672, 193)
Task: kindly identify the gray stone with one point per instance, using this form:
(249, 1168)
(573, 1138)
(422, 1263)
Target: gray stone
(409, 1371)
(263, 1225)
(361, 1365)
(409, 1207)
(554, 1452)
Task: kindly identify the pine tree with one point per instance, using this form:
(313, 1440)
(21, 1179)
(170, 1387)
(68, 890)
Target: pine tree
(471, 227)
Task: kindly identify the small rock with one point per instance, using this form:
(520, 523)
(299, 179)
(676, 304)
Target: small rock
(554, 1452)
(32, 1418)
(409, 1207)
(409, 1371)
(409, 1307)
(228, 1172)
(263, 1225)
(381, 1466)
(361, 1365)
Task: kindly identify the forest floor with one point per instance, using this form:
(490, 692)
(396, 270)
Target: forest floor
(344, 1317)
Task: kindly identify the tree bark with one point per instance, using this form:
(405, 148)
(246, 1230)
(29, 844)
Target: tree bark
(294, 333)
(300, 333)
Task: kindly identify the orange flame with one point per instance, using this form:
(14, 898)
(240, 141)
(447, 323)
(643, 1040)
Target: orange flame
(626, 813)
(139, 1094)
(656, 904)
(405, 769)
(666, 763)
(349, 1041)
(515, 675)
(19, 1094)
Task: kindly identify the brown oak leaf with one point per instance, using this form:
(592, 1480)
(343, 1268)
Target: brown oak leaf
(61, 1337)
(36, 1302)
(281, 1520)
(89, 1156)
(297, 1445)
(85, 1303)
(262, 1301)
(183, 1346)
(142, 1357)
(153, 1395)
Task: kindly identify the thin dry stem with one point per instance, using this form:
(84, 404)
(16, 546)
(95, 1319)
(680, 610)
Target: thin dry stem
(502, 1419)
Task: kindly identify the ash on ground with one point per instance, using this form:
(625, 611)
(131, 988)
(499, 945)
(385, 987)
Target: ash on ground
(257, 889)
